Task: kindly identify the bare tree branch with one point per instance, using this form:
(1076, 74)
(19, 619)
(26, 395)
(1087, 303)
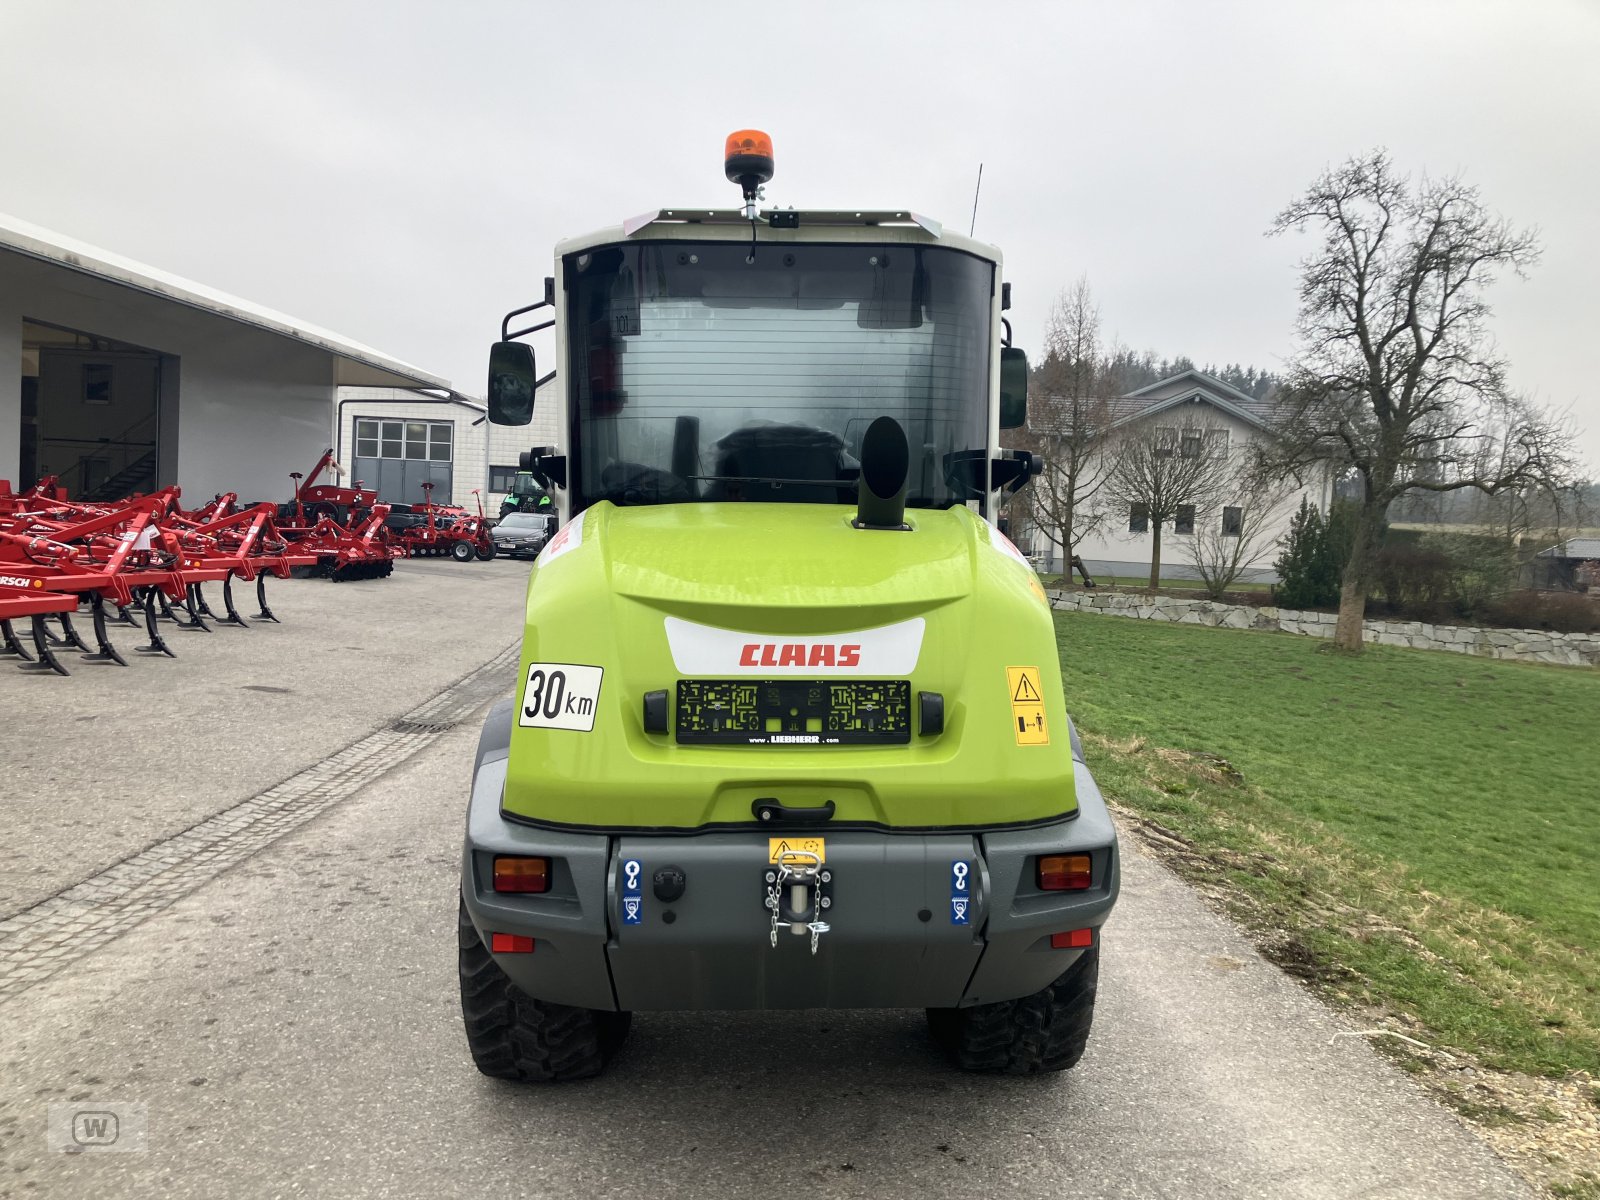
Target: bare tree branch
(1397, 379)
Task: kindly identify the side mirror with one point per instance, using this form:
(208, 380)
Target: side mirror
(1013, 387)
(512, 379)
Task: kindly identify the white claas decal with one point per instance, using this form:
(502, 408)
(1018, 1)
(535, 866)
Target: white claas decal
(1005, 545)
(569, 537)
(888, 650)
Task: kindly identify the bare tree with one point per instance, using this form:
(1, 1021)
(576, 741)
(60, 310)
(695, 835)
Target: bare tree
(1396, 376)
(1161, 473)
(1230, 535)
(1069, 416)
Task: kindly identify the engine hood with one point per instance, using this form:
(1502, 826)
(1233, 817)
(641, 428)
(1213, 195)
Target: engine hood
(637, 601)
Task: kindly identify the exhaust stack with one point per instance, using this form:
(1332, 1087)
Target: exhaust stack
(885, 469)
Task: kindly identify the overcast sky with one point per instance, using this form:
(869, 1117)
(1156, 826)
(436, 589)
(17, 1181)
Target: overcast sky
(400, 171)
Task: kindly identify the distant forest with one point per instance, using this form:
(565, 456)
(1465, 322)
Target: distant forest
(1134, 371)
(1126, 371)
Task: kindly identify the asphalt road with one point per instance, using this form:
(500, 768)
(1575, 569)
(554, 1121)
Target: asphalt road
(291, 1027)
(110, 759)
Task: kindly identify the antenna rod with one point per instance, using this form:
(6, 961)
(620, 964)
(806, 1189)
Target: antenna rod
(975, 192)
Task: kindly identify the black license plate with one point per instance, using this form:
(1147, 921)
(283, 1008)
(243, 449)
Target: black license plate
(782, 712)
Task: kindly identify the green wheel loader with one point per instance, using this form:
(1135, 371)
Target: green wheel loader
(789, 729)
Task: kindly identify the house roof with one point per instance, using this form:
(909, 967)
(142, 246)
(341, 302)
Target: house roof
(1184, 388)
(1580, 547)
(354, 363)
(1187, 387)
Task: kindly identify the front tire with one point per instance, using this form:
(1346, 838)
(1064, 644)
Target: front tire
(462, 551)
(485, 553)
(1046, 1031)
(513, 1036)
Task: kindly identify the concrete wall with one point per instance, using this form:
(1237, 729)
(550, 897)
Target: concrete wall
(1523, 645)
(477, 448)
(251, 406)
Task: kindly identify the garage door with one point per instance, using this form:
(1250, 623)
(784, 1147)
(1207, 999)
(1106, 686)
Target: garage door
(397, 457)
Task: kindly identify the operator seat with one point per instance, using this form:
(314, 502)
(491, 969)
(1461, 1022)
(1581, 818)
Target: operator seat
(748, 457)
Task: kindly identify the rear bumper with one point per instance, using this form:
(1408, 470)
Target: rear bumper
(896, 939)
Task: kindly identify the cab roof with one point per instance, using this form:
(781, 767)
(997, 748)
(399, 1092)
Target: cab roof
(781, 226)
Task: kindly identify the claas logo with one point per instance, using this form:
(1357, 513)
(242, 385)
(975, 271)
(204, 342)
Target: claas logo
(798, 654)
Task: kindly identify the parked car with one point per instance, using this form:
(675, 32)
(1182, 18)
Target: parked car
(521, 534)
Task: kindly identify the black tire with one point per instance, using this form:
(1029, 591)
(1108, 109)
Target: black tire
(461, 551)
(1046, 1031)
(513, 1036)
(486, 552)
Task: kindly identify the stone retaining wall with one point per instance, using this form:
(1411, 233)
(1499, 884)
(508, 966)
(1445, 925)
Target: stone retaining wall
(1525, 645)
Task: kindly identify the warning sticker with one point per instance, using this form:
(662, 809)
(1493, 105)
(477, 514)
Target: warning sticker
(1027, 706)
(779, 846)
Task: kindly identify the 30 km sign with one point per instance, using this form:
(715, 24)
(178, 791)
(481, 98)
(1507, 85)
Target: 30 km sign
(560, 696)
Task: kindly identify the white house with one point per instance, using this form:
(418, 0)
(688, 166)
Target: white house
(1231, 421)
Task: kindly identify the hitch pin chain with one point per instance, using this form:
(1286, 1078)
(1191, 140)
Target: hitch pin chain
(800, 878)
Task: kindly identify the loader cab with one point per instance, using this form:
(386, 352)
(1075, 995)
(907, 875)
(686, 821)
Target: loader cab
(720, 361)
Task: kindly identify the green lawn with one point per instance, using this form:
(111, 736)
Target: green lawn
(1424, 827)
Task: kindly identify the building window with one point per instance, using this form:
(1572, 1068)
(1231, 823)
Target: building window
(1166, 443)
(420, 441)
(1184, 521)
(1216, 443)
(1232, 522)
(1191, 443)
(1139, 518)
(502, 479)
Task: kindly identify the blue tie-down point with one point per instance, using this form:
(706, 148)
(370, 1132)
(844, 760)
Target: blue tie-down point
(960, 870)
(632, 910)
(960, 910)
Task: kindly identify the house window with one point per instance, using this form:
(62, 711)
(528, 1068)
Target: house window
(1232, 522)
(502, 479)
(1191, 443)
(1139, 518)
(1216, 443)
(1166, 443)
(1184, 521)
(421, 441)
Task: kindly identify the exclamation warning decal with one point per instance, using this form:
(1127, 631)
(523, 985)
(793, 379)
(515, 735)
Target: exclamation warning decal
(1027, 706)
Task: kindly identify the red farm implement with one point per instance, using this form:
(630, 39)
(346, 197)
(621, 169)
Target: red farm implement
(311, 501)
(144, 553)
(431, 529)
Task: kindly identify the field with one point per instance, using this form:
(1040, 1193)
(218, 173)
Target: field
(1418, 834)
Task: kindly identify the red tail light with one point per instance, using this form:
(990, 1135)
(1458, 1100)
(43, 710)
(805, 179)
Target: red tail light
(1076, 939)
(1064, 872)
(510, 943)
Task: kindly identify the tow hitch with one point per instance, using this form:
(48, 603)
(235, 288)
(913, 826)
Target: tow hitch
(799, 889)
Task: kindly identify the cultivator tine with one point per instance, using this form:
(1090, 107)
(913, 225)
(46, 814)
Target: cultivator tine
(9, 643)
(195, 621)
(261, 598)
(41, 644)
(157, 645)
(162, 603)
(124, 617)
(106, 652)
(200, 604)
(233, 617)
(71, 631)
